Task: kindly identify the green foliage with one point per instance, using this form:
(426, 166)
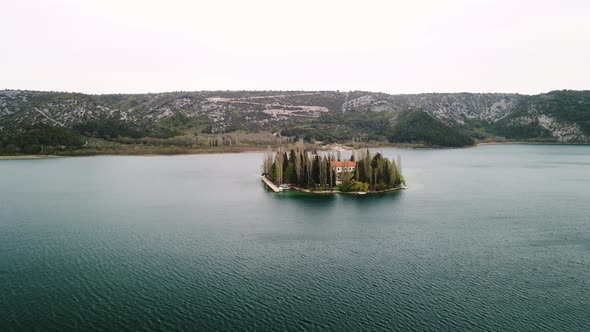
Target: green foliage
(408, 127)
(113, 129)
(200, 123)
(520, 131)
(289, 174)
(40, 138)
(237, 121)
(419, 127)
(108, 129)
(360, 186)
(566, 105)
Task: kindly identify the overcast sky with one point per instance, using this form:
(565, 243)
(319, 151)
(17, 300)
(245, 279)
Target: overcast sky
(118, 46)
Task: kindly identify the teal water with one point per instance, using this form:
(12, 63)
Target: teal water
(495, 238)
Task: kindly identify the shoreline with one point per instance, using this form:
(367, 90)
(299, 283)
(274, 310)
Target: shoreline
(146, 154)
(338, 192)
(276, 189)
(30, 156)
(527, 143)
(264, 149)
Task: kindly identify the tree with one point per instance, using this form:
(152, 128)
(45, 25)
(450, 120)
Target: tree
(279, 167)
(315, 170)
(386, 176)
(361, 171)
(285, 161)
(289, 175)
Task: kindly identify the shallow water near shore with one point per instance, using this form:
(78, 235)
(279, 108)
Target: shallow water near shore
(493, 238)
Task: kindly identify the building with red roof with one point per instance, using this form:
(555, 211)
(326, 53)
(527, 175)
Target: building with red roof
(341, 167)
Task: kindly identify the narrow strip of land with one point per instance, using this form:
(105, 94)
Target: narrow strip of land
(28, 156)
(270, 184)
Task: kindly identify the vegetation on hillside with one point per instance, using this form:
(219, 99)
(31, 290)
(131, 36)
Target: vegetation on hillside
(572, 107)
(40, 139)
(414, 127)
(419, 127)
(214, 120)
(331, 128)
(112, 129)
(566, 105)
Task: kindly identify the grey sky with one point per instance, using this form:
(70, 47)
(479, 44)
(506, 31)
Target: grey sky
(109, 46)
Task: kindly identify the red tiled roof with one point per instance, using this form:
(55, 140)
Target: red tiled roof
(344, 163)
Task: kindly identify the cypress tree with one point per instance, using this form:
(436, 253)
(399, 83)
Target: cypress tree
(361, 171)
(315, 170)
(386, 176)
(292, 157)
(328, 174)
(285, 162)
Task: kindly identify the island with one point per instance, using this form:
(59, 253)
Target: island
(302, 168)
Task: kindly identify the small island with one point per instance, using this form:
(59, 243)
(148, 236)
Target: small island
(303, 169)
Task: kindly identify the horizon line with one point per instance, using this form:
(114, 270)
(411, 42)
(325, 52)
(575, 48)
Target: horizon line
(295, 90)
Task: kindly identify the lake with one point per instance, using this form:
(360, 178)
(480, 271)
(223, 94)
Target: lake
(493, 238)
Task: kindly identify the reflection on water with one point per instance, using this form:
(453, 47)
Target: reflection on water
(311, 200)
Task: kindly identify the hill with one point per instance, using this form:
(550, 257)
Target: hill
(178, 121)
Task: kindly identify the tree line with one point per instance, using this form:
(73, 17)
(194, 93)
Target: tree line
(40, 139)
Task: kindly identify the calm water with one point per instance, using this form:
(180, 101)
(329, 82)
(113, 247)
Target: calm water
(489, 238)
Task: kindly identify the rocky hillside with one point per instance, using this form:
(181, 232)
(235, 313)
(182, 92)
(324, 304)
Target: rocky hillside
(562, 116)
(453, 108)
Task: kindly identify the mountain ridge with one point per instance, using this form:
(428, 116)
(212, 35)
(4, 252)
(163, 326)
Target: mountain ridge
(556, 116)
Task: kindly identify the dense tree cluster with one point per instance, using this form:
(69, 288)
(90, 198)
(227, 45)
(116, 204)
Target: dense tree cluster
(419, 127)
(307, 169)
(39, 138)
(376, 171)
